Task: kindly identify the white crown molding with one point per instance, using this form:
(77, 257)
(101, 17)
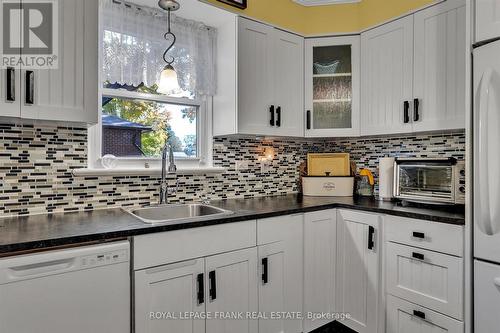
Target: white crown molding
(324, 2)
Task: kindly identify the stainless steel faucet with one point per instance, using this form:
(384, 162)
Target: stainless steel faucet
(172, 168)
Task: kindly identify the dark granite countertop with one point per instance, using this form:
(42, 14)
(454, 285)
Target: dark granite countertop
(46, 231)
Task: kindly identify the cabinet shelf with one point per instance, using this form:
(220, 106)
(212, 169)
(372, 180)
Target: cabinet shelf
(332, 75)
(334, 100)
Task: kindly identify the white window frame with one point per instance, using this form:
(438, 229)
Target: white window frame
(204, 135)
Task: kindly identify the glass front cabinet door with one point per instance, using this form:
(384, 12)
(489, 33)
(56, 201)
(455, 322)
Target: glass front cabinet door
(332, 94)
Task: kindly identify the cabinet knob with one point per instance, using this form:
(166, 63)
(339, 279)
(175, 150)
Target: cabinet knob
(308, 119)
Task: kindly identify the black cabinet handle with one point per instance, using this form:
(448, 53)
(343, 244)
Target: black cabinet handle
(419, 314)
(417, 234)
(371, 242)
(416, 104)
(213, 286)
(406, 112)
(30, 87)
(271, 111)
(11, 84)
(201, 289)
(308, 119)
(278, 116)
(265, 272)
(418, 256)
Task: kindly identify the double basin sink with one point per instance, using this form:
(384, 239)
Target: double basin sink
(175, 213)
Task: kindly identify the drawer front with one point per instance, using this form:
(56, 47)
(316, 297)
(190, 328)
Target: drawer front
(276, 229)
(427, 278)
(405, 317)
(174, 246)
(440, 237)
(486, 297)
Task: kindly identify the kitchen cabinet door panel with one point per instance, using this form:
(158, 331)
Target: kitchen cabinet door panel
(234, 276)
(10, 92)
(69, 92)
(276, 235)
(169, 289)
(358, 269)
(255, 77)
(319, 265)
(10, 82)
(387, 77)
(272, 286)
(439, 67)
(332, 93)
(288, 83)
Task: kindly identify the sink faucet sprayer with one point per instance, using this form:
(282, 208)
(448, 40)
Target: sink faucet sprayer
(172, 169)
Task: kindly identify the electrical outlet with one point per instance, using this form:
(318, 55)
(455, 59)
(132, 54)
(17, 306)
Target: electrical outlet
(242, 165)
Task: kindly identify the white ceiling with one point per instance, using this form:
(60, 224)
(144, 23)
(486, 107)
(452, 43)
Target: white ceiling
(195, 10)
(323, 2)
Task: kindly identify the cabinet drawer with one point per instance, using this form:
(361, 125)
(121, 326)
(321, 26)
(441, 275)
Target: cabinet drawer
(427, 278)
(403, 317)
(178, 245)
(440, 237)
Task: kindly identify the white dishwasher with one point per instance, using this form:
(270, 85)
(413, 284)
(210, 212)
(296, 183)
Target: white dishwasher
(76, 290)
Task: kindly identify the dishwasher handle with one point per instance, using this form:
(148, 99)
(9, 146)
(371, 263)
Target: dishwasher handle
(40, 269)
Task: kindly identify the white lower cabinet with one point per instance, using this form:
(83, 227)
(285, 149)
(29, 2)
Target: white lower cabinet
(427, 278)
(280, 273)
(424, 276)
(171, 289)
(359, 269)
(231, 286)
(169, 298)
(271, 286)
(406, 317)
(320, 252)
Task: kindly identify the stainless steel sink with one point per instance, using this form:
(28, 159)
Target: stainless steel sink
(177, 213)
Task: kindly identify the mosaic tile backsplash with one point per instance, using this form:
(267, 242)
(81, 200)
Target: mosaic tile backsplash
(36, 164)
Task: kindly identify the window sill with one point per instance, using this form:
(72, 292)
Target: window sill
(144, 171)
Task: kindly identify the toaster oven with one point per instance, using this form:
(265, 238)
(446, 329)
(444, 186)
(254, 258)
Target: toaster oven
(430, 180)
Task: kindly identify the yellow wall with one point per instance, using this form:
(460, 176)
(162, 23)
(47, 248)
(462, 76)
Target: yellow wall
(319, 20)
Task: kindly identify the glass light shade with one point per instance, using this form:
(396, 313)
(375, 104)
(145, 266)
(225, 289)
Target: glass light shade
(168, 80)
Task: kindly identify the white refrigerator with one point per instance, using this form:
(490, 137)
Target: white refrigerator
(486, 81)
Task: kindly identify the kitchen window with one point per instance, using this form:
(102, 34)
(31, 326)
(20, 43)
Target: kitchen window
(135, 119)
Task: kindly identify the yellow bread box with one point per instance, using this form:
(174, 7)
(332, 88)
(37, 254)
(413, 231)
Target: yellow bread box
(328, 164)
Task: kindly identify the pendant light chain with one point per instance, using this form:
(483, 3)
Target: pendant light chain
(169, 35)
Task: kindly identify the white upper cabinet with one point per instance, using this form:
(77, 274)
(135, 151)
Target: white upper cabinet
(288, 81)
(386, 75)
(487, 19)
(332, 92)
(10, 88)
(270, 84)
(70, 92)
(255, 78)
(439, 68)
(413, 72)
(358, 269)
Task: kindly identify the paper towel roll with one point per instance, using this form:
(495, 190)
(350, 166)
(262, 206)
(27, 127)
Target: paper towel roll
(386, 178)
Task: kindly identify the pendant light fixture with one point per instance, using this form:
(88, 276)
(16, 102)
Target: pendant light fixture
(168, 76)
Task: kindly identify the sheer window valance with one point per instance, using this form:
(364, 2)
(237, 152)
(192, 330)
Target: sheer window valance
(133, 46)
